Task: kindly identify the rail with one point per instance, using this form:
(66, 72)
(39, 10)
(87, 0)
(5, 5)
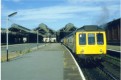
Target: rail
(101, 67)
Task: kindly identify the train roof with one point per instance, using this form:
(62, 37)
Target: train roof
(90, 28)
(87, 28)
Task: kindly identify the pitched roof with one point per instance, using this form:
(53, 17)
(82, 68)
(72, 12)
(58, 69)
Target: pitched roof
(42, 28)
(3, 30)
(18, 27)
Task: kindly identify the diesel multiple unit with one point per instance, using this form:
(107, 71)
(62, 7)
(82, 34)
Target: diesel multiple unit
(88, 42)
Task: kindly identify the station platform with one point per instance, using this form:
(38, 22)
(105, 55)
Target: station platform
(114, 48)
(50, 62)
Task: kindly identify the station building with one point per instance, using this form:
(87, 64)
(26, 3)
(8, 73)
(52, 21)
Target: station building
(113, 32)
(18, 34)
(51, 38)
(48, 34)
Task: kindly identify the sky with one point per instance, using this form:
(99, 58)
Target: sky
(57, 13)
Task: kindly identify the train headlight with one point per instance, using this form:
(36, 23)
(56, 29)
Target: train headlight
(82, 51)
(101, 50)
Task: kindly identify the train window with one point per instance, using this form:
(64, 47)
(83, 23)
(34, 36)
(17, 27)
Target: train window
(100, 38)
(82, 39)
(91, 38)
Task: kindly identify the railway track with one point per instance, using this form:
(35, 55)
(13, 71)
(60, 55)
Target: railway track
(112, 65)
(101, 67)
(107, 70)
(94, 72)
(112, 60)
(98, 70)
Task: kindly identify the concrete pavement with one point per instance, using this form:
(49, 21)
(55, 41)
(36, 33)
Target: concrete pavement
(39, 65)
(51, 62)
(114, 48)
(18, 47)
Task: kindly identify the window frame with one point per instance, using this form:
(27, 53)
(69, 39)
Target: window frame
(102, 39)
(82, 43)
(94, 41)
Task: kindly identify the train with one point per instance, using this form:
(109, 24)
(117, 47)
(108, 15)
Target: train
(87, 42)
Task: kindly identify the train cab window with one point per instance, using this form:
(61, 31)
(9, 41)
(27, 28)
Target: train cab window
(91, 39)
(100, 39)
(82, 39)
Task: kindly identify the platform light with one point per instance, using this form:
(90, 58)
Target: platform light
(10, 15)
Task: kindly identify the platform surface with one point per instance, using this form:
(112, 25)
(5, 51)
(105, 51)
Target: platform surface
(114, 48)
(51, 62)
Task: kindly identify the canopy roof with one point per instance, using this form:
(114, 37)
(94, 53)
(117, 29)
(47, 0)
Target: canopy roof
(69, 27)
(18, 28)
(43, 29)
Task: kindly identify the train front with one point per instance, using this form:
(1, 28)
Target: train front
(91, 43)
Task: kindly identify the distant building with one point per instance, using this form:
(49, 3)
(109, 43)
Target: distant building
(51, 38)
(113, 32)
(3, 36)
(19, 34)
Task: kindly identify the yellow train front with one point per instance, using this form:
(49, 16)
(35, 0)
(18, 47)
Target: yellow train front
(88, 42)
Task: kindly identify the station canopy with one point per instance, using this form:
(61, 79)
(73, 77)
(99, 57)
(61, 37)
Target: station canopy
(3, 30)
(19, 29)
(44, 30)
(68, 28)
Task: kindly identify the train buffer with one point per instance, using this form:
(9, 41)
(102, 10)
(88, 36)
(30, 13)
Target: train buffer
(51, 62)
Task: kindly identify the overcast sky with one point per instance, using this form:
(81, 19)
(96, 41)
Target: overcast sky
(57, 13)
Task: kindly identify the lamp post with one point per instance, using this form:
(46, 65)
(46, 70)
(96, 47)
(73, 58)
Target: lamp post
(48, 37)
(37, 39)
(10, 15)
